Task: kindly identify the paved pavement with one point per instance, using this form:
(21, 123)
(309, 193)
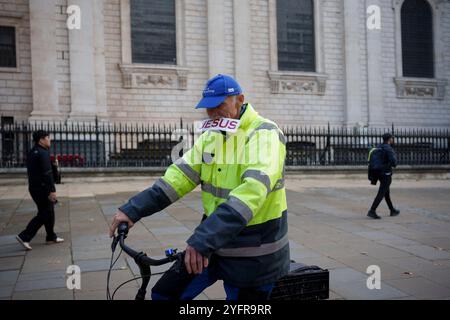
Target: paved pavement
(328, 227)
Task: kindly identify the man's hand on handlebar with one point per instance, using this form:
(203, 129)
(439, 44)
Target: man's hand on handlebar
(118, 218)
(194, 261)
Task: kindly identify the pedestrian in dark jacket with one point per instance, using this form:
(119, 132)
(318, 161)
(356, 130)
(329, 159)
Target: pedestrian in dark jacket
(388, 160)
(42, 190)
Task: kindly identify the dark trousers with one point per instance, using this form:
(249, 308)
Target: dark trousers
(45, 216)
(177, 284)
(383, 192)
(202, 281)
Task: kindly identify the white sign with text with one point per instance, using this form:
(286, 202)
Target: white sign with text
(223, 124)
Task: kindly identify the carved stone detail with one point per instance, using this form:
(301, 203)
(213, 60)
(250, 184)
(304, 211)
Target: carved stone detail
(298, 83)
(153, 77)
(420, 88)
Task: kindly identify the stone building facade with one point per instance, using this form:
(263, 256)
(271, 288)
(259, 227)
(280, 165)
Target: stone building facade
(355, 77)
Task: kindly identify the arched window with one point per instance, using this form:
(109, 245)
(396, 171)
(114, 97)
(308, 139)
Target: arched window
(417, 39)
(295, 35)
(153, 31)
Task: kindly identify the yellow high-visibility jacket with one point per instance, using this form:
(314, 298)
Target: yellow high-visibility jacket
(244, 228)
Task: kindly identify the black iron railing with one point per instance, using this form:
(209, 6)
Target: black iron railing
(151, 145)
(350, 146)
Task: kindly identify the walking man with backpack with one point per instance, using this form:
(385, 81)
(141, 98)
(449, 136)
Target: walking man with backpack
(381, 161)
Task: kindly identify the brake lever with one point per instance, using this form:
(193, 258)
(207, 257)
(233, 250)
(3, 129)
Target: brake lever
(122, 231)
(114, 243)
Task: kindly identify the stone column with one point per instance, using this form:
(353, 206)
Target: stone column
(99, 58)
(242, 46)
(43, 61)
(125, 30)
(82, 64)
(216, 37)
(374, 73)
(352, 29)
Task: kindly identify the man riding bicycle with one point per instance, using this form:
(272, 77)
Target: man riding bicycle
(242, 238)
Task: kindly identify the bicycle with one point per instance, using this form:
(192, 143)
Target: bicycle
(302, 283)
(142, 260)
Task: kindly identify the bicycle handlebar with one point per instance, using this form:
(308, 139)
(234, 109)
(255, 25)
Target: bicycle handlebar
(141, 258)
(122, 230)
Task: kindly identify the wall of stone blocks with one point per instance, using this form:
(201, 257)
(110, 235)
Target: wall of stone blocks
(159, 105)
(169, 105)
(413, 112)
(15, 87)
(295, 109)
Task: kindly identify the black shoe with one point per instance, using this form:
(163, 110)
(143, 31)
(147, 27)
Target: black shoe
(395, 212)
(372, 214)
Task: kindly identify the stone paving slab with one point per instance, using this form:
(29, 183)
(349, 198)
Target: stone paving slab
(97, 281)
(46, 264)
(11, 250)
(415, 265)
(88, 254)
(109, 210)
(42, 275)
(8, 240)
(6, 291)
(382, 251)
(41, 280)
(45, 294)
(328, 227)
(8, 277)
(323, 262)
(50, 283)
(301, 254)
(426, 252)
(442, 263)
(100, 264)
(125, 293)
(169, 230)
(388, 271)
(438, 276)
(352, 284)
(421, 288)
(438, 243)
(11, 263)
(155, 222)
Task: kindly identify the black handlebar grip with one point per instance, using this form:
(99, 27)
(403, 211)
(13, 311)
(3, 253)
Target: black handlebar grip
(123, 228)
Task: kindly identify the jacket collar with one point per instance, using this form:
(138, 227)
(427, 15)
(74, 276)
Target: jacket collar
(248, 117)
(37, 145)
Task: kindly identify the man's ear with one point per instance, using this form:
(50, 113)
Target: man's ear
(240, 99)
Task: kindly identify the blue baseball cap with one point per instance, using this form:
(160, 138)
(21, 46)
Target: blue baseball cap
(216, 91)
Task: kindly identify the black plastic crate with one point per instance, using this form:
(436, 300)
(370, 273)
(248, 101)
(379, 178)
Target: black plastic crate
(302, 283)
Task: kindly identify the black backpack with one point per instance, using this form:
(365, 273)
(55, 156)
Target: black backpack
(376, 158)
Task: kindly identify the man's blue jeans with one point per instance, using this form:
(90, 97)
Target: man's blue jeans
(205, 279)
